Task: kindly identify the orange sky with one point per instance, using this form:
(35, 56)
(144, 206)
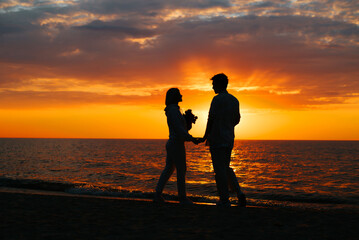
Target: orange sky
(100, 69)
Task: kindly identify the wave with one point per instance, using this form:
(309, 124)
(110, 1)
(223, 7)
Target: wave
(254, 199)
(308, 198)
(35, 184)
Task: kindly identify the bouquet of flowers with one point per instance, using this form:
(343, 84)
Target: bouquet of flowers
(190, 118)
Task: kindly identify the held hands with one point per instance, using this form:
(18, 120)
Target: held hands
(198, 140)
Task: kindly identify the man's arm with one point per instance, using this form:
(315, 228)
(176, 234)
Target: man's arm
(211, 114)
(237, 114)
(208, 128)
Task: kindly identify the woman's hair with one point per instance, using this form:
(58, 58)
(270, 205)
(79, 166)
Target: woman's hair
(172, 96)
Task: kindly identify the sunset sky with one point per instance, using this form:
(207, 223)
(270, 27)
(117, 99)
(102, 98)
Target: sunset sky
(101, 68)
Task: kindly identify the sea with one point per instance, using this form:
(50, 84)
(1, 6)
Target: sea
(304, 174)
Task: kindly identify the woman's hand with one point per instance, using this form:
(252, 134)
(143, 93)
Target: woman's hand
(196, 140)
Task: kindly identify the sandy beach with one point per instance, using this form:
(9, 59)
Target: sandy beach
(28, 215)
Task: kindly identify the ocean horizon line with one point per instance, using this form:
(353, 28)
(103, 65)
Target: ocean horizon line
(236, 139)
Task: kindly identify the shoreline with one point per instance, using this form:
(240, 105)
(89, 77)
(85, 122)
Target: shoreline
(33, 214)
(172, 198)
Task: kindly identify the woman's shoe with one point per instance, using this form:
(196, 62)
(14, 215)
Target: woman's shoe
(242, 202)
(186, 201)
(158, 198)
(226, 204)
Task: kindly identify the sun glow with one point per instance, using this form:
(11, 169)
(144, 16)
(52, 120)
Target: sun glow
(261, 118)
(85, 122)
(101, 70)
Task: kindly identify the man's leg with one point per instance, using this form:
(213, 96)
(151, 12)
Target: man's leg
(232, 179)
(231, 176)
(219, 166)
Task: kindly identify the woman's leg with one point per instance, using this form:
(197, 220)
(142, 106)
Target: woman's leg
(167, 171)
(180, 162)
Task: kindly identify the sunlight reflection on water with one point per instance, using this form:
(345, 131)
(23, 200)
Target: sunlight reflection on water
(265, 169)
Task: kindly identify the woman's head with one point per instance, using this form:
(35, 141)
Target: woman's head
(173, 96)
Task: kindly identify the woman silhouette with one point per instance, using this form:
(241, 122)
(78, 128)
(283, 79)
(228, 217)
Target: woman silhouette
(176, 152)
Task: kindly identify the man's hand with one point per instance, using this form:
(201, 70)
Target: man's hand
(201, 140)
(196, 140)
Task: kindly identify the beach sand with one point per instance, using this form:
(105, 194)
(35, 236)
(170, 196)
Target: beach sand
(29, 215)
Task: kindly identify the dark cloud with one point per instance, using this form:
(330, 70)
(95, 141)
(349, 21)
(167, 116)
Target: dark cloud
(132, 45)
(16, 22)
(54, 99)
(150, 8)
(118, 27)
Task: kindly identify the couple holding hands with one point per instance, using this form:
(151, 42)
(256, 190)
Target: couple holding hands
(219, 136)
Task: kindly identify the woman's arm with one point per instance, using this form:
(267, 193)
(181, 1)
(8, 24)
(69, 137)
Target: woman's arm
(176, 121)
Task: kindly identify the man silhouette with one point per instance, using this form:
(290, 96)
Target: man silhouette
(222, 118)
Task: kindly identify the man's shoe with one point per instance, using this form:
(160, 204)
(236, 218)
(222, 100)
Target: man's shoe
(242, 202)
(226, 204)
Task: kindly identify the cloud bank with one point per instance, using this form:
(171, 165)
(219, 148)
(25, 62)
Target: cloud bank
(62, 53)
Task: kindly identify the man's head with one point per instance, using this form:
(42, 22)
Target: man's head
(220, 82)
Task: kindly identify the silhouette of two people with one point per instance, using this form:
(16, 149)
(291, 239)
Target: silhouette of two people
(223, 116)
